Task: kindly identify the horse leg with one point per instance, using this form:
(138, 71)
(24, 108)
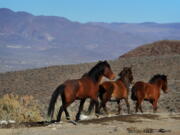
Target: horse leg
(91, 107)
(127, 104)
(155, 106)
(63, 108)
(60, 113)
(138, 105)
(97, 111)
(80, 109)
(67, 114)
(119, 107)
(103, 104)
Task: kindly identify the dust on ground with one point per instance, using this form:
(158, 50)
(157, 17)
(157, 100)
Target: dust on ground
(135, 124)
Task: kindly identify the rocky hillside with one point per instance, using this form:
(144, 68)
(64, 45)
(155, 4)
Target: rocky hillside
(164, 47)
(41, 82)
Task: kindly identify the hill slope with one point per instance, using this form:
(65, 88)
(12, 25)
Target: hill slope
(42, 82)
(160, 48)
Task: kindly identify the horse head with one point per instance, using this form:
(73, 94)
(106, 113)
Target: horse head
(161, 81)
(164, 84)
(107, 71)
(127, 73)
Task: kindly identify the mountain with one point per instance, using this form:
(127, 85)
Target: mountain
(164, 47)
(28, 41)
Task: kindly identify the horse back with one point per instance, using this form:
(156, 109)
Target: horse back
(146, 90)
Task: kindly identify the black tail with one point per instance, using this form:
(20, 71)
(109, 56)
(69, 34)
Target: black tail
(59, 90)
(133, 93)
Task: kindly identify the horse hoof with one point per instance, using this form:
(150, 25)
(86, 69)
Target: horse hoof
(73, 122)
(67, 118)
(98, 114)
(77, 119)
(87, 113)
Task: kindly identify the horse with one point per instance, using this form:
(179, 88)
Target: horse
(117, 90)
(85, 87)
(149, 91)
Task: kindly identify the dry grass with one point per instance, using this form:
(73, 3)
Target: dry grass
(19, 108)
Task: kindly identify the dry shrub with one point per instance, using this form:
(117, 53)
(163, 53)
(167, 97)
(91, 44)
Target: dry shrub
(19, 108)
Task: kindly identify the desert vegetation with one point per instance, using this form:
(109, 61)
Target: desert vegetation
(19, 108)
(40, 83)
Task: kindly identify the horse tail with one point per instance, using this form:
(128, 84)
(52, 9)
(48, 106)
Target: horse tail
(59, 90)
(133, 93)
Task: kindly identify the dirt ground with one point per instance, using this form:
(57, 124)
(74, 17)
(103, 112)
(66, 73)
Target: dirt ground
(135, 124)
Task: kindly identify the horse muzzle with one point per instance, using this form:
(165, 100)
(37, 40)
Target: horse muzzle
(113, 77)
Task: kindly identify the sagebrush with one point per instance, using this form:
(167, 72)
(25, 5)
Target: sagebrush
(19, 108)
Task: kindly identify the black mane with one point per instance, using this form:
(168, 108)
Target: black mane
(97, 70)
(156, 77)
(126, 76)
(123, 72)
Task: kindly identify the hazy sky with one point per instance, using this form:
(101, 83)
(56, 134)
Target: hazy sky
(162, 11)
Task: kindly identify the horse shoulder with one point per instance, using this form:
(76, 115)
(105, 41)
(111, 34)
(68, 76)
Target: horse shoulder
(152, 91)
(116, 90)
(107, 85)
(86, 84)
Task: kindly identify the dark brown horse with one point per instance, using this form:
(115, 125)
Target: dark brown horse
(149, 91)
(115, 90)
(85, 87)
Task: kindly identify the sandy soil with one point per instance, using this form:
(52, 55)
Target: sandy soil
(135, 124)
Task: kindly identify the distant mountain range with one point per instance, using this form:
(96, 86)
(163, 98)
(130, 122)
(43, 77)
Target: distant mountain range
(28, 41)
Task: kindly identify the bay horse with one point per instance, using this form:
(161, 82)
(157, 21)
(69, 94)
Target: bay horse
(115, 90)
(85, 87)
(149, 91)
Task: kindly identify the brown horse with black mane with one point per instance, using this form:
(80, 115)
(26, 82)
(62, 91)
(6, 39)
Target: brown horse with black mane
(115, 90)
(85, 87)
(149, 91)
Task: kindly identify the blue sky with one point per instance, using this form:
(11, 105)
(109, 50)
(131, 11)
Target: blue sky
(162, 11)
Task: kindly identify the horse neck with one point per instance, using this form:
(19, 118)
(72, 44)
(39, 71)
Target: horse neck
(96, 77)
(100, 79)
(125, 81)
(158, 83)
